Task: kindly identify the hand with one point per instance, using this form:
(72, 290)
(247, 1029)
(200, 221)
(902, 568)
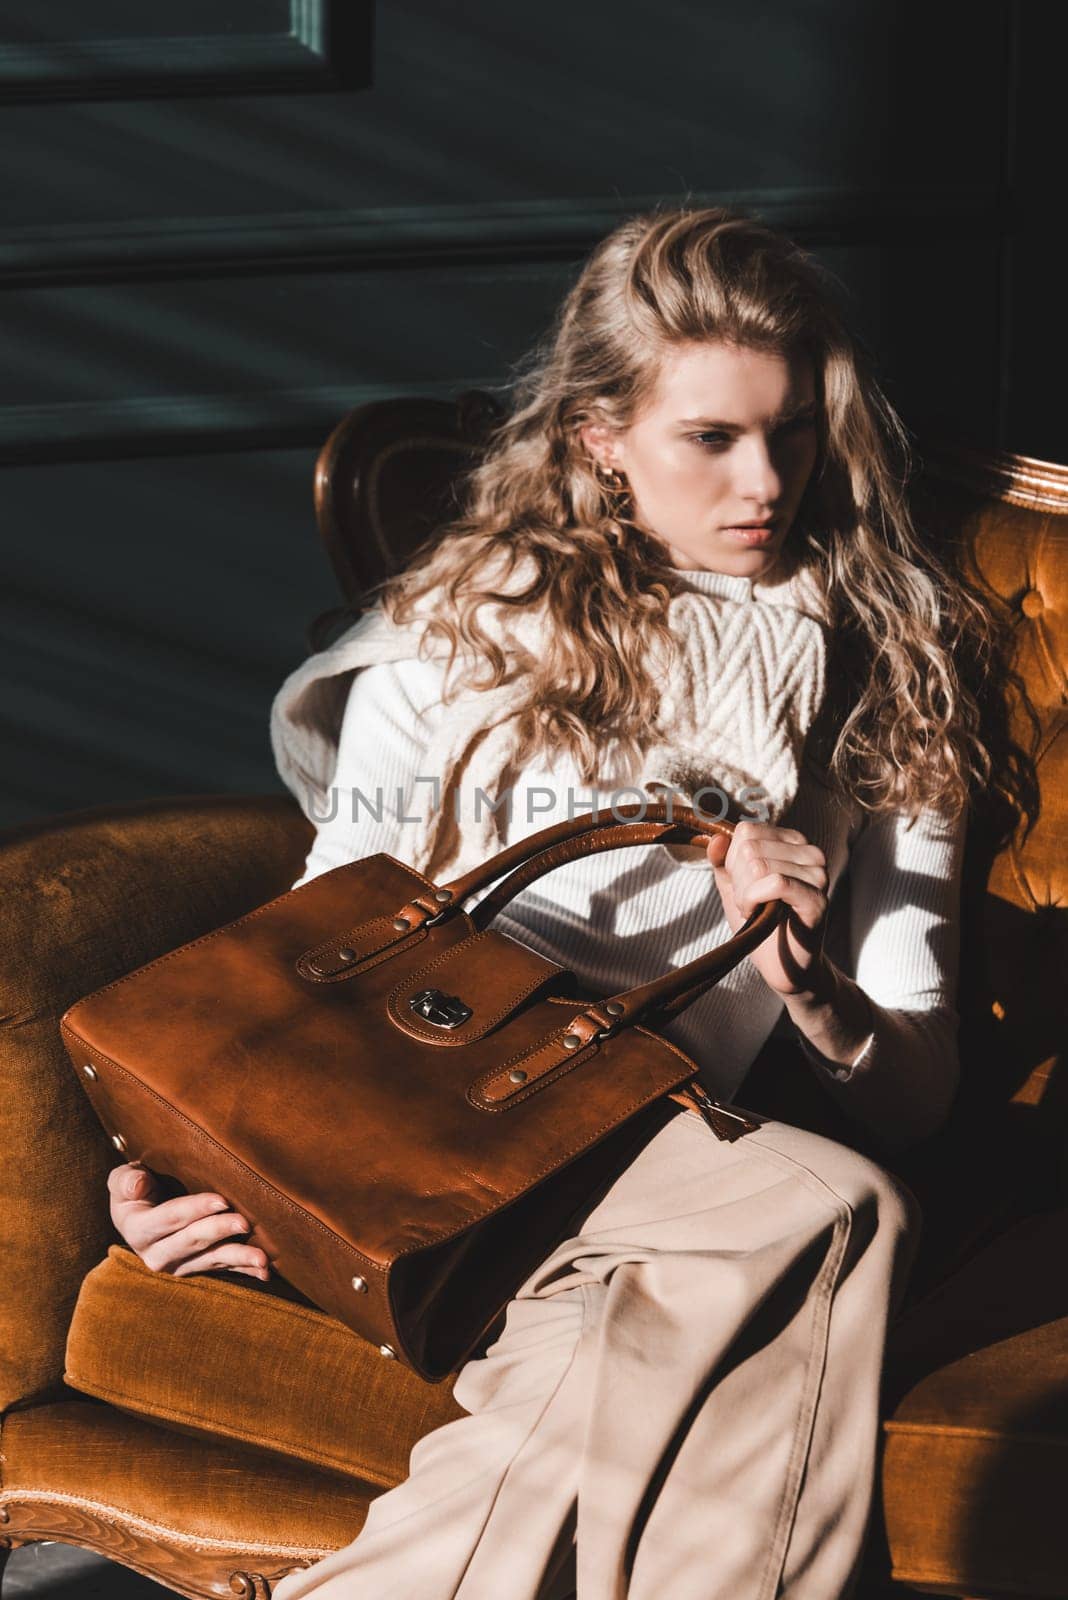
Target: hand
(183, 1235)
(761, 862)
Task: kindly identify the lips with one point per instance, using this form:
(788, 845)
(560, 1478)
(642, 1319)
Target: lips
(752, 534)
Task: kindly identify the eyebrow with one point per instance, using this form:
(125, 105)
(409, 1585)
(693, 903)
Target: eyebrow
(731, 427)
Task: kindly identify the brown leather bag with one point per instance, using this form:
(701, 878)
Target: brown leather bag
(406, 1104)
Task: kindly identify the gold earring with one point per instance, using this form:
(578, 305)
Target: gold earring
(611, 478)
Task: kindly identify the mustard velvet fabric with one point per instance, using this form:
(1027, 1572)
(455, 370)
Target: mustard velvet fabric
(976, 1448)
(88, 896)
(74, 1464)
(976, 1428)
(226, 1359)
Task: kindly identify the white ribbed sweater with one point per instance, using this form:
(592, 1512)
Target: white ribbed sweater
(621, 917)
(735, 706)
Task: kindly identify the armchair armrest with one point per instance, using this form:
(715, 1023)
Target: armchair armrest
(87, 896)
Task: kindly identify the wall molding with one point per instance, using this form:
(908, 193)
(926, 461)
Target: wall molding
(188, 424)
(526, 230)
(328, 46)
(519, 233)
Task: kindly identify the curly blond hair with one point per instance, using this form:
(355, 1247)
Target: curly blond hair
(900, 727)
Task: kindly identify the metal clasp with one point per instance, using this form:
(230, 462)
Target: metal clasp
(443, 1010)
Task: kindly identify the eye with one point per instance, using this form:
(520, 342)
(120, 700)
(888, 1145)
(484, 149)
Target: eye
(711, 441)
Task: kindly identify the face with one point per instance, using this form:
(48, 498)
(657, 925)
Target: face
(729, 438)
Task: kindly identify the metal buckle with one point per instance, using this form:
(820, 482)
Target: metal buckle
(443, 1010)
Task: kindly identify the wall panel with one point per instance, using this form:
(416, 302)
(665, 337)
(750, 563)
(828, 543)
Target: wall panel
(197, 286)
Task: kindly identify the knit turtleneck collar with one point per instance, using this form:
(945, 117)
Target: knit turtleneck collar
(785, 585)
(723, 583)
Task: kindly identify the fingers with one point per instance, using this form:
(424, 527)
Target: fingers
(173, 1235)
(139, 1214)
(151, 1223)
(766, 830)
(175, 1243)
(809, 903)
(236, 1257)
(130, 1181)
(764, 862)
(133, 1189)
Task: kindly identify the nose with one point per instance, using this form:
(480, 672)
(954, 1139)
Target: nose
(756, 479)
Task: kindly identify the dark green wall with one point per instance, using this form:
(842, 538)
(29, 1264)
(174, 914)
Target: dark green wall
(214, 243)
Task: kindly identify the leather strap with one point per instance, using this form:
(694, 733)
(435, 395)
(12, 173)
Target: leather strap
(655, 824)
(589, 834)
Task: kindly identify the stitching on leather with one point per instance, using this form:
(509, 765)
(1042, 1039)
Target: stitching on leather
(634, 1027)
(383, 923)
(522, 1054)
(560, 1070)
(169, 955)
(228, 1155)
(559, 1160)
(393, 1003)
(501, 1067)
(366, 963)
(639, 1027)
(23, 1497)
(215, 933)
(383, 1273)
(434, 1239)
(407, 867)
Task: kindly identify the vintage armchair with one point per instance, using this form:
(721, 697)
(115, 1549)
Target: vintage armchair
(213, 1432)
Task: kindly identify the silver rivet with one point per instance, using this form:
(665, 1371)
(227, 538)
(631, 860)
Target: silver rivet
(346, 953)
(572, 1040)
(387, 1350)
(441, 895)
(360, 1285)
(400, 922)
(90, 1072)
(615, 1008)
(118, 1141)
(517, 1075)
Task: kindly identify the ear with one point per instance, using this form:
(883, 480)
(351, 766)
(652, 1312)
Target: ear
(600, 440)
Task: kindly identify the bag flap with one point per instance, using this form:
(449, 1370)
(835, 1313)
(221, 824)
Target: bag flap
(472, 988)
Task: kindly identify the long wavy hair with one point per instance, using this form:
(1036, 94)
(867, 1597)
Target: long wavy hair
(900, 728)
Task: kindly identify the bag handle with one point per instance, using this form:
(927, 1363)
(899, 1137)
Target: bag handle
(591, 833)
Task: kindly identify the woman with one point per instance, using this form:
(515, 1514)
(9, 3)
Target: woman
(686, 567)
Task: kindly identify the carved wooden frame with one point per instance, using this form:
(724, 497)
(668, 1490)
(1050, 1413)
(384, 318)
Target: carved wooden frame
(201, 1568)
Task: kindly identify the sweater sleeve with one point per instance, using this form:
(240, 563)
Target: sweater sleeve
(379, 777)
(903, 937)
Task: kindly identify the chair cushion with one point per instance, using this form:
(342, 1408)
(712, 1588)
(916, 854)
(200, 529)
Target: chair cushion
(192, 1513)
(976, 1435)
(227, 1358)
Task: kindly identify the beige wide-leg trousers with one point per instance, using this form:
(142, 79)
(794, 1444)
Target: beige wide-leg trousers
(683, 1402)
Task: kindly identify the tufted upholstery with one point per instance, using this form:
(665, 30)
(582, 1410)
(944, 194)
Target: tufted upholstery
(1018, 545)
(215, 1433)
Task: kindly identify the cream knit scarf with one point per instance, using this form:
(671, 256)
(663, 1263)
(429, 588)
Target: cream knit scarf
(734, 713)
